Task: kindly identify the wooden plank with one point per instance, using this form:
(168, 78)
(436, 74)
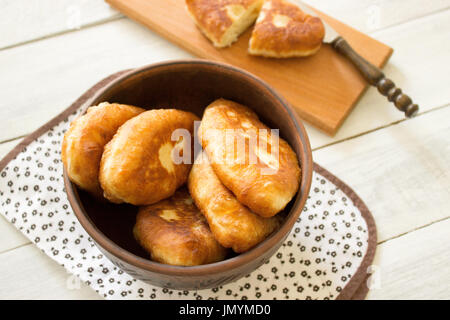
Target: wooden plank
(39, 288)
(414, 266)
(41, 279)
(311, 85)
(418, 171)
(403, 273)
(25, 20)
(55, 71)
(64, 15)
(409, 178)
(376, 15)
(10, 236)
(8, 146)
(401, 172)
(407, 68)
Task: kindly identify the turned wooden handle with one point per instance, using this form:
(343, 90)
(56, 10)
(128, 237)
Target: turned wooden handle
(377, 78)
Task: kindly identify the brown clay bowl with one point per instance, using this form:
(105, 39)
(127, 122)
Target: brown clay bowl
(190, 85)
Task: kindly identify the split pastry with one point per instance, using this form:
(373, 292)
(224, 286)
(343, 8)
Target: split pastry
(83, 143)
(233, 225)
(283, 30)
(174, 232)
(259, 168)
(138, 164)
(222, 21)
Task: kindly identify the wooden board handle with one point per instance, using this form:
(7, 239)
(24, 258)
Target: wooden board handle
(377, 78)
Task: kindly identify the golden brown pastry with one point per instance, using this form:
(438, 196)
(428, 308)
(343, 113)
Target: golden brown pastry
(222, 21)
(83, 143)
(174, 232)
(138, 164)
(233, 225)
(244, 155)
(283, 30)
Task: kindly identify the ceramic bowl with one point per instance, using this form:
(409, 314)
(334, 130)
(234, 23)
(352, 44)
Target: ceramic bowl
(190, 85)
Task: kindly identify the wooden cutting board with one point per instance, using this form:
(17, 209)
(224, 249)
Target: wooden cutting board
(323, 88)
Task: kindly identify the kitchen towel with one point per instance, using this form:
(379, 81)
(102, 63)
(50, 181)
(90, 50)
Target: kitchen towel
(326, 256)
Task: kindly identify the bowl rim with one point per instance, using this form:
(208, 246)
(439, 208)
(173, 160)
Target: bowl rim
(228, 264)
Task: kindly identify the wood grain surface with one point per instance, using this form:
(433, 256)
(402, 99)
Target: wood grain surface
(411, 214)
(323, 88)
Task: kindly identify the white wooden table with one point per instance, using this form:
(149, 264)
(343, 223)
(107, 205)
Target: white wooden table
(53, 50)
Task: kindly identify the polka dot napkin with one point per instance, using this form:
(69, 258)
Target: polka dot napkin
(326, 256)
